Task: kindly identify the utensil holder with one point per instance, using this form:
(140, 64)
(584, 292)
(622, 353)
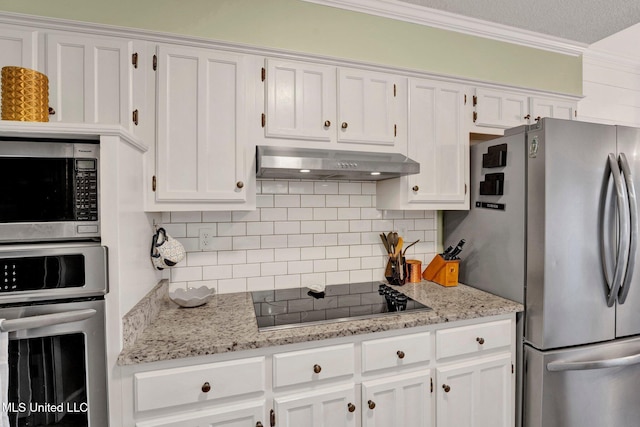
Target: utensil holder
(441, 271)
(396, 271)
(25, 95)
(414, 270)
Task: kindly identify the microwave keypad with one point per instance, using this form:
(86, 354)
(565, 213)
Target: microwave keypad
(87, 195)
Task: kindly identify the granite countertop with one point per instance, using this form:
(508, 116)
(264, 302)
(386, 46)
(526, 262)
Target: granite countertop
(227, 323)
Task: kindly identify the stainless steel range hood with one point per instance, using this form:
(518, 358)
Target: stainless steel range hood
(307, 163)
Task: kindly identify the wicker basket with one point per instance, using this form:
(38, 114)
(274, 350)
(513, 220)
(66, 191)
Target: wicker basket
(25, 95)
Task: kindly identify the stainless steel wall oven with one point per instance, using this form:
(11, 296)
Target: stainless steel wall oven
(52, 305)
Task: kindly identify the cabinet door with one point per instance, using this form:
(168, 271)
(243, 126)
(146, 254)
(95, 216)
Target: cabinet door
(245, 415)
(18, 47)
(500, 109)
(200, 140)
(401, 400)
(476, 393)
(300, 100)
(366, 107)
(541, 107)
(328, 407)
(438, 143)
(89, 79)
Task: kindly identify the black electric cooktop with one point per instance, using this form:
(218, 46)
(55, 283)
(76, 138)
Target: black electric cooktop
(287, 308)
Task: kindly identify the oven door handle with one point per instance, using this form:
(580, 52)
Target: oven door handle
(44, 320)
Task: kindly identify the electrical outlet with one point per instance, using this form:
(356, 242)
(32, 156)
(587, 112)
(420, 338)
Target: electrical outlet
(206, 238)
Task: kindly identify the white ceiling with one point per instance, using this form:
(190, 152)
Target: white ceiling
(583, 21)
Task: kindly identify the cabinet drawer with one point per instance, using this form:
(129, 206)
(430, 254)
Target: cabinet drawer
(396, 351)
(179, 386)
(298, 367)
(472, 339)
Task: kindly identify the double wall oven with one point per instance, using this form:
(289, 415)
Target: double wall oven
(53, 280)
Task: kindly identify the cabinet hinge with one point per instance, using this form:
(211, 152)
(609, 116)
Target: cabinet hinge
(263, 119)
(134, 59)
(394, 90)
(155, 62)
(263, 74)
(465, 99)
(465, 189)
(431, 379)
(475, 100)
(395, 130)
(153, 183)
(272, 418)
(575, 113)
(475, 116)
(512, 368)
(135, 117)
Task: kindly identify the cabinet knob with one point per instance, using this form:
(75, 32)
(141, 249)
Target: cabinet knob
(415, 188)
(538, 118)
(327, 123)
(317, 369)
(527, 117)
(351, 407)
(371, 404)
(345, 125)
(400, 354)
(206, 387)
(239, 184)
(258, 424)
(480, 340)
(446, 388)
(52, 111)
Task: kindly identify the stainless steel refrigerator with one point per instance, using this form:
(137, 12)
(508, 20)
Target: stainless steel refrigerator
(554, 224)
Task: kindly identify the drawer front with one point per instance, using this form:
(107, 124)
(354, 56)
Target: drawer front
(306, 366)
(396, 351)
(179, 386)
(472, 339)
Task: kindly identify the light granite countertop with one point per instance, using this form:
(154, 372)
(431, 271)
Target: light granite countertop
(227, 323)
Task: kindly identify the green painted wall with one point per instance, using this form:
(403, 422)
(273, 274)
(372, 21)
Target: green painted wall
(305, 27)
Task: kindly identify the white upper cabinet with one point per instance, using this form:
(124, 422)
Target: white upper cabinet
(301, 100)
(494, 108)
(504, 109)
(201, 152)
(316, 106)
(367, 107)
(19, 47)
(89, 79)
(439, 142)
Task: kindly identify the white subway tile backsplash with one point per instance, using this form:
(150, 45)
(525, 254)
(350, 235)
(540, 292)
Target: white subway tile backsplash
(302, 233)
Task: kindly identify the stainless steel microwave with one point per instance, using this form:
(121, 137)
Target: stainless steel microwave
(50, 190)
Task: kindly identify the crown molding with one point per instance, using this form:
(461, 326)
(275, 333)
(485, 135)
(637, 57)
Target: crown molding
(605, 58)
(421, 15)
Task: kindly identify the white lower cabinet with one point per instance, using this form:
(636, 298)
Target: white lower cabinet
(428, 376)
(399, 400)
(326, 407)
(247, 415)
(475, 393)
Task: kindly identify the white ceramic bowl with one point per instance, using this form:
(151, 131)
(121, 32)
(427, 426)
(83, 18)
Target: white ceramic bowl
(192, 297)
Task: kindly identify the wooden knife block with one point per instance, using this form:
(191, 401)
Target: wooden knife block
(442, 272)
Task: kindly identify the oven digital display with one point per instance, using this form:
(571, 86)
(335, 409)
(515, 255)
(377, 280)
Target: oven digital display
(43, 272)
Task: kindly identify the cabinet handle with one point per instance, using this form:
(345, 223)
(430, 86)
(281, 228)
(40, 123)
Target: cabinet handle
(527, 117)
(344, 125)
(317, 369)
(351, 407)
(239, 184)
(480, 340)
(206, 387)
(372, 404)
(400, 354)
(415, 188)
(327, 123)
(446, 388)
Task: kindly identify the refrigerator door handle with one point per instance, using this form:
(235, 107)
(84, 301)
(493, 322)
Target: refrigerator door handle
(623, 231)
(618, 362)
(633, 217)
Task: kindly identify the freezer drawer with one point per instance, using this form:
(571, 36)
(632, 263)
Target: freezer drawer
(587, 386)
